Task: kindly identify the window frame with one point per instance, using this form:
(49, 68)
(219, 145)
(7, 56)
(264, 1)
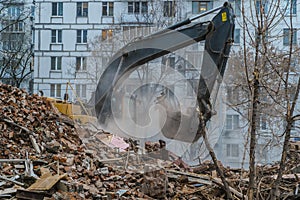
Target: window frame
(81, 63)
(265, 6)
(11, 41)
(263, 123)
(81, 36)
(82, 9)
(237, 36)
(232, 150)
(144, 7)
(108, 8)
(13, 26)
(197, 5)
(56, 36)
(137, 7)
(234, 122)
(57, 9)
(236, 4)
(169, 9)
(55, 90)
(232, 94)
(81, 90)
(287, 36)
(107, 35)
(15, 11)
(294, 8)
(56, 63)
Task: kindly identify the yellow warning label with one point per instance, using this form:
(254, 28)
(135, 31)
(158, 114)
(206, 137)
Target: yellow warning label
(224, 17)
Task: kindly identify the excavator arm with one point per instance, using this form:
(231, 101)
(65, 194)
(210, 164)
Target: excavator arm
(218, 37)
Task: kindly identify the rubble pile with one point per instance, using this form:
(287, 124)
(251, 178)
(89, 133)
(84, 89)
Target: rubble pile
(45, 155)
(29, 119)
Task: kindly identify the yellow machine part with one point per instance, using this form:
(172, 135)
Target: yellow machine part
(67, 108)
(72, 111)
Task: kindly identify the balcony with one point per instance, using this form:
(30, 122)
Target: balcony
(135, 19)
(14, 2)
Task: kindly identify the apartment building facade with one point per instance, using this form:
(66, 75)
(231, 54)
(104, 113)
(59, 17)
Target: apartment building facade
(65, 33)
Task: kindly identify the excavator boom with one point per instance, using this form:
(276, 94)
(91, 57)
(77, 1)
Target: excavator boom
(218, 37)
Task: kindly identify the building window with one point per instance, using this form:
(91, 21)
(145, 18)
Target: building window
(201, 6)
(289, 35)
(144, 7)
(32, 10)
(80, 63)
(55, 63)
(12, 41)
(56, 36)
(55, 90)
(263, 123)
(289, 4)
(261, 5)
(169, 9)
(82, 9)
(232, 94)
(232, 150)
(14, 11)
(81, 90)
(168, 62)
(57, 9)
(130, 32)
(137, 7)
(107, 8)
(107, 34)
(13, 26)
(237, 35)
(81, 36)
(232, 122)
(236, 5)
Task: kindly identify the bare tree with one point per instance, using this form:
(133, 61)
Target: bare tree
(264, 75)
(17, 50)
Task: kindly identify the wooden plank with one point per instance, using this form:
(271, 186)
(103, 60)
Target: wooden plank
(192, 179)
(32, 195)
(189, 174)
(46, 183)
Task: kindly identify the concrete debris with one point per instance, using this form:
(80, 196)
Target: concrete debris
(45, 156)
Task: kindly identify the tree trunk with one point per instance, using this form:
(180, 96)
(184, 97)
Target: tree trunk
(253, 124)
(275, 193)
